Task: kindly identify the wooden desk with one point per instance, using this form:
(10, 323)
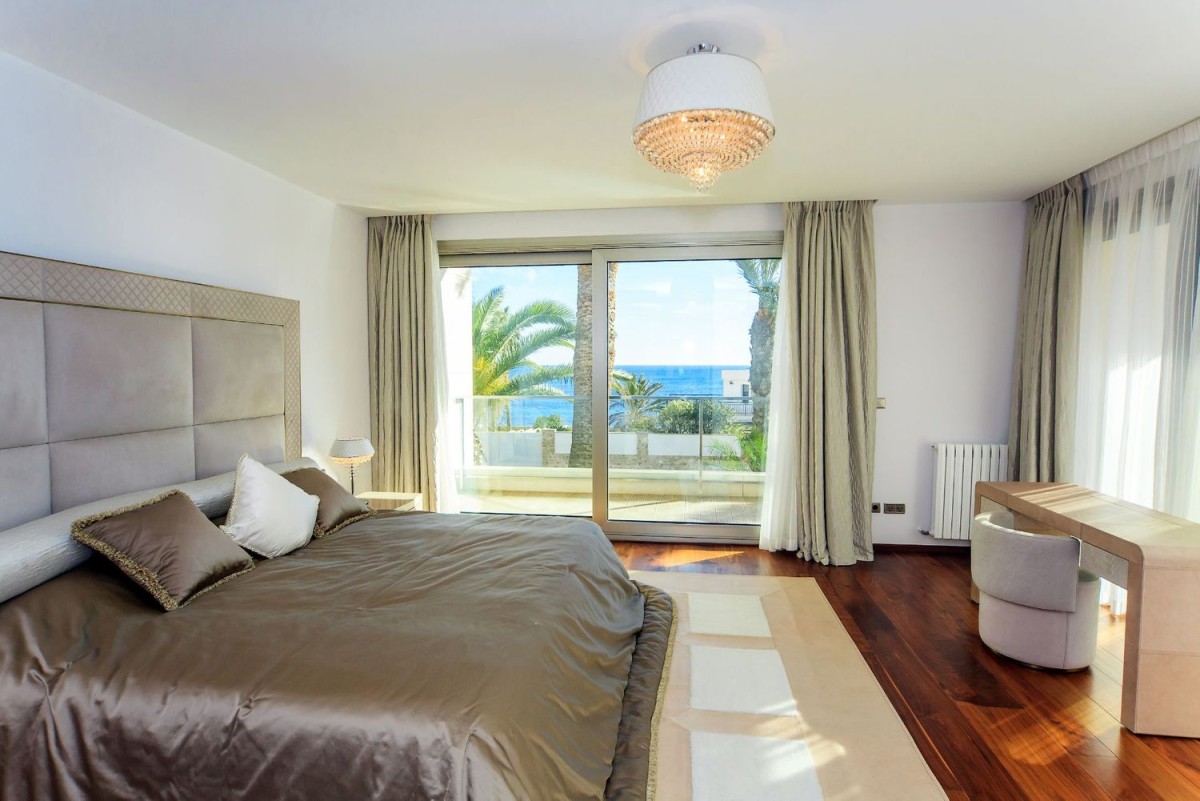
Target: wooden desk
(1160, 693)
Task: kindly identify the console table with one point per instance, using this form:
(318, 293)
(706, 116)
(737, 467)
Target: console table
(1160, 692)
(393, 501)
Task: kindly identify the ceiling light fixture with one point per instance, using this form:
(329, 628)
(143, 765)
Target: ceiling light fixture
(703, 114)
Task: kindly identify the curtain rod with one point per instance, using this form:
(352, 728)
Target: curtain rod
(1124, 152)
(1129, 150)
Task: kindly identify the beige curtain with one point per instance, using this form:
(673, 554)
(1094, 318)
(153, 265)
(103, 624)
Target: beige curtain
(1040, 438)
(821, 422)
(408, 385)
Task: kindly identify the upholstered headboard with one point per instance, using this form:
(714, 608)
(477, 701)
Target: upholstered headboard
(113, 382)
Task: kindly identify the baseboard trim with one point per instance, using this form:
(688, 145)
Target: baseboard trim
(717, 542)
(908, 547)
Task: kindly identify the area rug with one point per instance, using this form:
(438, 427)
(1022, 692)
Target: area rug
(768, 698)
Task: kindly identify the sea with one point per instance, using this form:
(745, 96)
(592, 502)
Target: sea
(688, 380)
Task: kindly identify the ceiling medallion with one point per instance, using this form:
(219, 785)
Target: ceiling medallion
(703, 114)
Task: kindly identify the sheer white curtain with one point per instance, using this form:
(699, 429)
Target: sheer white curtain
(781, 502)
(1138, 399)
(446, 434)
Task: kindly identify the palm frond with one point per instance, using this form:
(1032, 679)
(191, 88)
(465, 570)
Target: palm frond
(536, 381)
(505, 341)
(533, 315)
(762, 276)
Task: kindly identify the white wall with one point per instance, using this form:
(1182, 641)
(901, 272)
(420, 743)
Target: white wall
(948, 277)
(84, 179)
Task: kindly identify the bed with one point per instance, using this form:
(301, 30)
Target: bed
(408, 655)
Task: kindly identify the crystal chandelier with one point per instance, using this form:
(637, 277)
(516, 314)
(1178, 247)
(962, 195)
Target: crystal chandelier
(703, 114)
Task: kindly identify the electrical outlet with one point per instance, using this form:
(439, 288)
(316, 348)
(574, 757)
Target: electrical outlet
(893, 508)
(876, 508)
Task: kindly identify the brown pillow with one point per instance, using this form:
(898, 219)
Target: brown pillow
(337, 507)
(167, 546)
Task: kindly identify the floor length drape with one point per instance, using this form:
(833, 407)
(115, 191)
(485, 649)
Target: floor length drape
(1040, 436)
(821, 422)
(408, 375)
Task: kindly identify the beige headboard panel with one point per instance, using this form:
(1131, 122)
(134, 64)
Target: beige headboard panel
(113, 382)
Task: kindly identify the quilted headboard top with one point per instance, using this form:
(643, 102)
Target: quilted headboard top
(114, 382)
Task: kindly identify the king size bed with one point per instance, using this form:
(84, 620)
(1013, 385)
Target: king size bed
(403, 656)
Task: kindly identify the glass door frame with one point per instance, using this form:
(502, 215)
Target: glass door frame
(631, 529)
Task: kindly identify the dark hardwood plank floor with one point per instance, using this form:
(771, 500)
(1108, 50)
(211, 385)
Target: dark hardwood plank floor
(990, 729)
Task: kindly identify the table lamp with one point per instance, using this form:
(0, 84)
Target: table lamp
(351, 451)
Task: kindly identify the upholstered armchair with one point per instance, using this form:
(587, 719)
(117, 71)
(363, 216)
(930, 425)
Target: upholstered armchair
(1035, 603)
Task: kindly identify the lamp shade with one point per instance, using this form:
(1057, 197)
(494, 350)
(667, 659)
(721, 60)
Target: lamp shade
(351, 450)
(703, 114)
(704, 80)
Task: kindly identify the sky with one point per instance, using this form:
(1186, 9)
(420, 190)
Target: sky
(668, 312)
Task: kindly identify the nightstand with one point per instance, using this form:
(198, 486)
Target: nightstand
(398, 501)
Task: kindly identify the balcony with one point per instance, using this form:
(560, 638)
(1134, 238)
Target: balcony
(671, 471)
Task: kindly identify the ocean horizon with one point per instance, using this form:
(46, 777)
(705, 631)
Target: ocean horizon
(678, 380)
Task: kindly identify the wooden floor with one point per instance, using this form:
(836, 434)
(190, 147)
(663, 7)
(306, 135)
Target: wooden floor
(990, 729)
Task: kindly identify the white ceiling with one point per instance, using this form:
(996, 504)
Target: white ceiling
(453, 105)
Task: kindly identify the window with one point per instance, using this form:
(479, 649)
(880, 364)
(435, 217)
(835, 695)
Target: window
(629, 386)
(513, 336)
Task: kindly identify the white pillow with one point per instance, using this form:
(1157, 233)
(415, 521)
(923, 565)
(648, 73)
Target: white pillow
(269, 515)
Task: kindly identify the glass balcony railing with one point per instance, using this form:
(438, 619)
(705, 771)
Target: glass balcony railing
(671, 458)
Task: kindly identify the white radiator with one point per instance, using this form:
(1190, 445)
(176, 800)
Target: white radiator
(957, 468)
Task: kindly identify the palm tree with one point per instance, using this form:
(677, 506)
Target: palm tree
(581, 420)
(634, 405)
(762, 276)
(581, 370)
(505, 341)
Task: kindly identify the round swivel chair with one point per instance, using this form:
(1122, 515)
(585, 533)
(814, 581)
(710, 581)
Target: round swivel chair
(1036, 605)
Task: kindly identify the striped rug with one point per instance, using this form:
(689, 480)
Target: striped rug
(768, 699)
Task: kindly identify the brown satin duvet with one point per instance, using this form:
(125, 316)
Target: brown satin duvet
(408, 656)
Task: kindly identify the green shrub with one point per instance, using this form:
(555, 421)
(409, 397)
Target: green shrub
(753, 455)
(551, 421)
(682, 416)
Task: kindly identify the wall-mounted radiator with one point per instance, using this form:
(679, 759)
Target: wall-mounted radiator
(956, 469)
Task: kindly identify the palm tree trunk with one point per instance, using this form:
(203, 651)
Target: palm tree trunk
(581, 424)
(612, 318)
(581, 421)
(762, 342)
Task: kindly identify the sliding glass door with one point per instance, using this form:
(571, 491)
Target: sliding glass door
(631, 388)
(514, 349)
(687, 407)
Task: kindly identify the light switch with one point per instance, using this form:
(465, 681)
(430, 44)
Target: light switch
(881, 403)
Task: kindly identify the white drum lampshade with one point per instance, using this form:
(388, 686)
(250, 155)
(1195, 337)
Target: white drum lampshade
(703, 114)
(351, 451)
